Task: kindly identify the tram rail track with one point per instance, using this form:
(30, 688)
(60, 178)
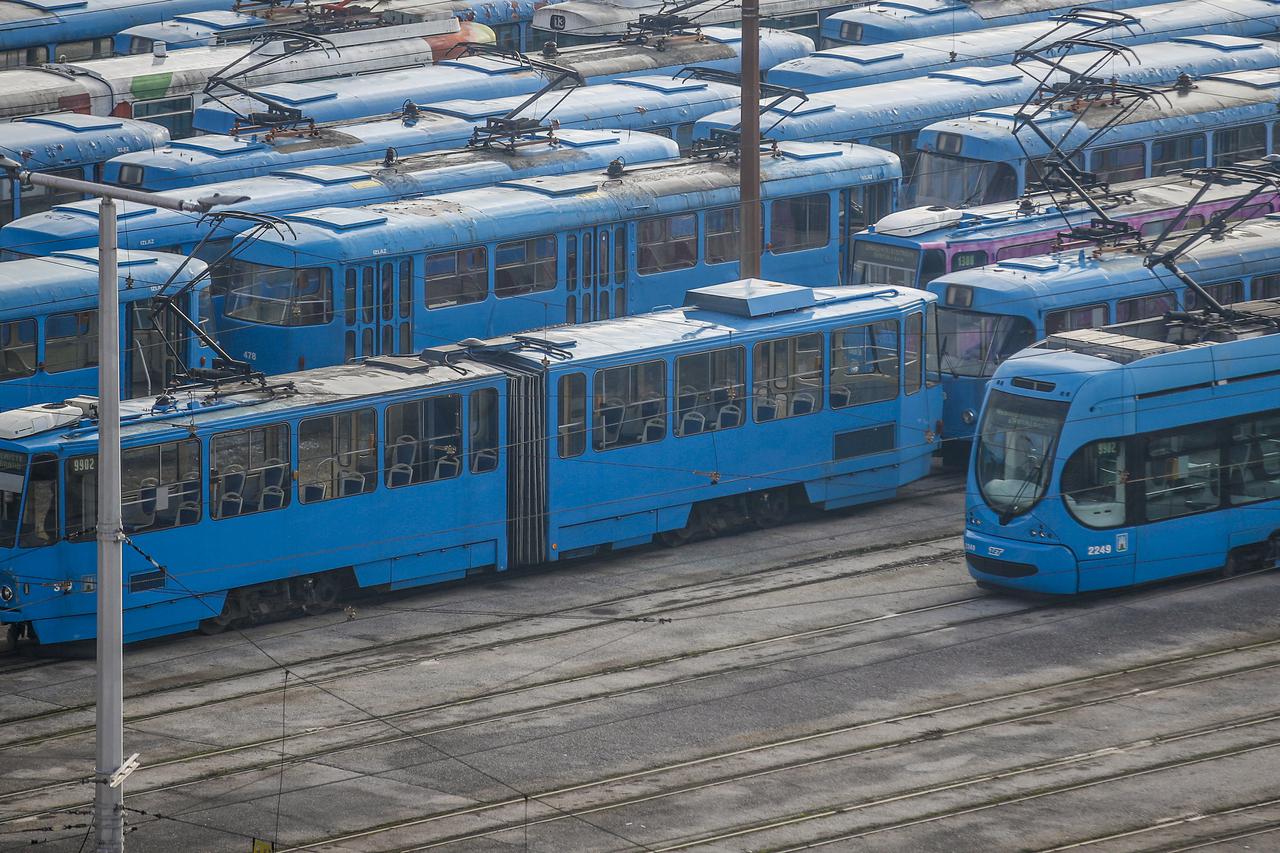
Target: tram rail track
(1183, 820)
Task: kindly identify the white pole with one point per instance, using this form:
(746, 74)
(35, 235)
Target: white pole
(108, 801)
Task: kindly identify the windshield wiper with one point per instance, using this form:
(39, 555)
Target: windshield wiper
(1008, 514)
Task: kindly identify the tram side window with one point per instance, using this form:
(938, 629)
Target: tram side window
(40, 511)
(864, 364)
(797, 224)
(1155, 227)
(1121, 162)
(1026, 250)
(932, 347)
(722, 240)
(1253, 211)
(1084, 317)
(1144, 307)
(1253, 472)
(666, 243)
(1178, 153)
(1266, 286)
(1093, 484)
(1248, 142)
(1181, 473)
(710, 391)
(78, 51)
(71, 341)
(173, 113)
(572, 411)
(525, 266)
(37, 198)
(630, 405)
(159, 489)
(902, 144)
(424, 440)
(913, 352)
(17, 349)
(787, 377)
(337, 456)
(456, 278)
(249, 471)
(1226, 293)
(482, 433)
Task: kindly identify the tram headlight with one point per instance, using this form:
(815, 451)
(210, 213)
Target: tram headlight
(968, 416)
(6, 593)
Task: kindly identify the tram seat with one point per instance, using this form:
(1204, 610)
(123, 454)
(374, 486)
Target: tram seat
(687, 399)
(446, 467)
(400, 475)
(766, 408)
(230, 505)
(840, 396)
(273, 474)
(405, 450)
(312, 492)
(351, 483)
(188, 513)
(15, 364)
(233, 480)
(608, 424)
(803, 403)
(1251, 483)
(484, 460)
(251, 494)
(655, 429)
(728, 417)
(272, 497)
(140, 514)
(693, 423)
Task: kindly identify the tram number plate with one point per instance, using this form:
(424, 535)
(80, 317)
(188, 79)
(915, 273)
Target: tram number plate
(1095, 550)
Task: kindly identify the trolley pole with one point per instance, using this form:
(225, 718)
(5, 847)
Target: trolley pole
(749, 146)
(110, 767)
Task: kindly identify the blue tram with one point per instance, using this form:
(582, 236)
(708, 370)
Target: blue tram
(49, 325)
(862, 65)
(69, 145)
(988, 314)
(70, 226)
(473, 457)
(1129, 454)
(662, 105)
(484, 77)
(394, 278)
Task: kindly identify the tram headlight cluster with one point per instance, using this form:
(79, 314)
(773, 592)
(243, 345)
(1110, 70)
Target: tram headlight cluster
(6, 593)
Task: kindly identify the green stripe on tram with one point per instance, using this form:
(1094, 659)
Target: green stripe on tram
(148, 86)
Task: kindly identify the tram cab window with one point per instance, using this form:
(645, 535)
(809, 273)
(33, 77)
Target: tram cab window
(13, 472)
(1178, 153)
(864, 364)
(797, 224)
(1121, 162)
(337, 456)
(71, 341)
(1265, 286)
(1180, 473)
(17, 349)
(1083, 317)
(277, 296)
(1093, 484)
(721, 242)
(249, 471)
(913, 353)
(1253, 472)
(786, 377)
(40, 510)
(423, 441)
(1144, 307)
(902, 144)
(36, 198)
(1248, 142)
(1226, 293)
(159, 489)
(710, 391)
(630, 405)
(851, 32)
(525, 266)
(482, 432)
(933, 347)
(666, 243)
(572, 415)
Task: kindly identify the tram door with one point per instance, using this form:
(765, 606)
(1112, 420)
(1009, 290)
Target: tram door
(155, 349)
(602, 272)
(378, 309)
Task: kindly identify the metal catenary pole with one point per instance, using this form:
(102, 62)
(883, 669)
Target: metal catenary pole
(749, 146)
(110, 766)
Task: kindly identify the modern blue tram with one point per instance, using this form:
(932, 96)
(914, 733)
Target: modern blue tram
(988, 314)
(69, 145)
(899, 20)
(1215, 120)
(663, 105)
(891, 115)
(1130, 454)
(49, 325)
(348, 283)
(473, 457)
(484, 77)
(70, 226)
(843, 67)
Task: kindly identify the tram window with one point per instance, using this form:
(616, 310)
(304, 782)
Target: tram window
(786, 377)
(36, 198)
(619, 254)
(17, 349)
(78, 51)
(388, 292)
(800, 223)
(1251, 212)
(1026, 250)
(864, 364)
(1226, 293)
(71, 341)
(722, 241)
(406, 291)
(1248, 142)
(1038, 167)
(933, 347)
(902, 144)
(877, 203)
(6, 209)
(710, 393)
(630, 405)
(349, 297)
(620, 302)
(456, 278)
(23, 56)
(913, 352)
(1155, 227)
(131, 175)
(1144, 307)
(277, 296)
(525, 266)
(851, 32)
(571, 262)
(173, 113)
(1084, 317)
(684, 136)
(572, 417)
(571, 309)
(666, 243)
(482, 434)
(249, 471)
(1093, 484)
(1266, 286)
(934, 265)
(1121, 162)
(1253, 472)
(423, 441)
(40, 510)
(1178, 153)
(13, 470)
(366, 295)
(1181, 473)
(159, 489)
(337, 456)
(968, 260)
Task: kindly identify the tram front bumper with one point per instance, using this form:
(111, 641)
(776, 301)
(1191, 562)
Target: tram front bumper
(1030, 566)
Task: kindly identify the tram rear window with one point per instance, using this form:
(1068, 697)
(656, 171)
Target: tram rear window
(949, 143)
(959, 296)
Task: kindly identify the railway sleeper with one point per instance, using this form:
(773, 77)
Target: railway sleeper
(251, 605)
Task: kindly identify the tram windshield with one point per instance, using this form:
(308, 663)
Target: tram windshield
(1016, 444)
(13, 476)
(885, 263)
(974, 344)
(944, 179)
(276, 296)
